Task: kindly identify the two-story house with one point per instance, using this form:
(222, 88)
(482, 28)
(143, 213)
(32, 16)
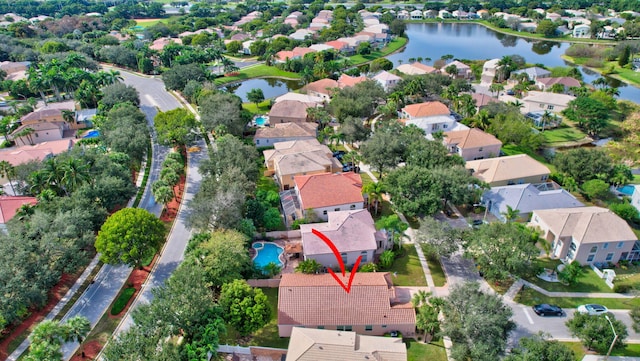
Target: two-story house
(324, 193)
(429, 116)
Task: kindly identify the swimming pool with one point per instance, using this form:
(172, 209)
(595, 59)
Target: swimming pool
(267, 252)
(261, 121)
(628, 190)
(92, 134)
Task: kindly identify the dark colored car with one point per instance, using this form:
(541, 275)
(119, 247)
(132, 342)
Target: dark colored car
(511, 92)
(547, 310)
(338, 154)
(348, 167)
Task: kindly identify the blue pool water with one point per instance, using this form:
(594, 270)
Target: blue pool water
(628, 190)
(92, 134)
(260, 121)
(266, 253)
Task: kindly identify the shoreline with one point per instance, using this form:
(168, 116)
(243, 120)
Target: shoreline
(518, 34)
(599, 71)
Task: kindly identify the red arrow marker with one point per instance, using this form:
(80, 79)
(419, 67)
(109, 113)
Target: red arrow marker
(336, 253)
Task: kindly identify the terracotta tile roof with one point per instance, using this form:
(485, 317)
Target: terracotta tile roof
(322, 86)
(307, 344)
(320, 300)
(160, 43)
(459, 65)
(349, 81)
(470, 138)
(9, 205)
(349, 230)
(324, 190)
(337, 44)
(291, 109)
(506, 168)
(483, 99)
(294, 146)
(287, 130)
(27, 153)
(427, 68)
(587, 224)
(427, 109)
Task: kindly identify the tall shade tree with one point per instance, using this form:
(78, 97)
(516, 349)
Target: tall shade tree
(584, 164)
(130, 236)
(540, 348)
(223, 256)
(595, 331)
(478, 323)
(438, 238)
(7, 170)
(502, 250)
(244, 307)
(177, 127)
(382, 151)
(591, 115)
(256, 96)
(222, 110)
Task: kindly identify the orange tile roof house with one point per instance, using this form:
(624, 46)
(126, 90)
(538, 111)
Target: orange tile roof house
(349, 81)
(284, 132)
(318, 301)
(586, 234)
(299, 157)
(545, 84)
(288, 111)
(429, 116)
(308, 344)
(482, 100)
(472, 144)
(9, 206)
(353, 233)
(324, 193)
(323, 88)
(514, 169)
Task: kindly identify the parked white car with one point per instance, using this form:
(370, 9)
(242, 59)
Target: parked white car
(593, 309)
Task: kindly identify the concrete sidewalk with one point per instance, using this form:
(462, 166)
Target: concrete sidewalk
(611, 358)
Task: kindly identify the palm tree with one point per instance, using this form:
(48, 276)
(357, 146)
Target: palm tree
(511, 214)
(25, 211)
(76, 328)
(600, 83)
(68, 115)
(546, 117)
(496, 88)
(163, 195)
(9, 171)
(309, 266)
(26, 133)
(419, 59)
(54, 173)
(75, 172)
(170, 177)
(516, 103)
(420, 298)
(47, 195)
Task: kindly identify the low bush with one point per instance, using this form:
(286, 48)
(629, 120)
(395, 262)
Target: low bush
(622, 288)
(121, 302)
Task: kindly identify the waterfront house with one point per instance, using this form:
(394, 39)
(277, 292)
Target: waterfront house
(372, 306)
(514, 169)
(490, 72)
(322, 88)
(308, 344)
(463, 70)
(352, 232)
(290, 111)
(586, 234)
(545, 84)
(533, 73)
(552, 102)
(416, 15)
(340, 46)
(322, 193)
(403, 15)
(444, 14)
(416, 69)
(386, 79)
(581, 31)
(472, 144)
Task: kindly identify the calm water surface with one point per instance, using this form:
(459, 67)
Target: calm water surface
(270, 87)
(473, 41)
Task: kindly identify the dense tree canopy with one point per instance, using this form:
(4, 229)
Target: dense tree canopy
(175, 127)
(130, 236)
(222, 112)
(583, 164)
(595, 331)
(539, 348)
(244, 307)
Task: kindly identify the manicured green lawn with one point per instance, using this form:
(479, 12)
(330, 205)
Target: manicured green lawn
(530, 297)
(629, 276)
(562, 134)
(587, 282)
(437, 273)
(121, 302)
(632, 350)
(257, 71)
(407, 270)
(433, 351)
(393, 45)
(148, 22)
(577, 349)
(262, 108)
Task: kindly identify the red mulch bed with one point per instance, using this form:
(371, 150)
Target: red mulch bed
(171, 209)
(55, 295)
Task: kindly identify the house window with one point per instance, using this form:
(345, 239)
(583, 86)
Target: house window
(384, 326)
(324, 212)
(605, 246)
(590, 258)
(609, 257)
(541, 105)
(544, 177)
(573, 246)
(480, 150)
(364, 256)
(434, 127)
(348, 328)
(320, 327)
(550, 107)
(368, 327)
(353, 206)
(257, 141)
(594, 249)
(444, 126)
(345, 257)
(620, 244)
(337, 210)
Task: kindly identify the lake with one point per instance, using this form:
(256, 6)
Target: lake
(270, 87)
(474, 42)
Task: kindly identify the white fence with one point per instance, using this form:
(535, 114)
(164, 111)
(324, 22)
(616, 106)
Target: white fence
(234, 349)
(608, 275)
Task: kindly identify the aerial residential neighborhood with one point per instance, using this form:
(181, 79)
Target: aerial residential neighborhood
(253, 180)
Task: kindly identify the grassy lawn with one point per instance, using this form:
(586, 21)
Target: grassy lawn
(262, 108)
(530, 297)
(587, 282)
(562, 134)
(257, 71)
(577, 349)
(145, 23)
(501, 287)
(267, 184)
(393, 46)
(407, 270)
(122, 300)
(632, 350)
(511, 149)
(629, 276)
(266, 336)
(433, 351)
(437, 273)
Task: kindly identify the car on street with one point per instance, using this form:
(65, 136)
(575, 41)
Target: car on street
(477, 223)
(338, 154)
(547, 310)
(593, 309)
